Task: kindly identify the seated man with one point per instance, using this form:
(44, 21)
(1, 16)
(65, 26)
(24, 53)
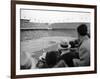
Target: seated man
(67, 54)
(84, 46)
(51, 61)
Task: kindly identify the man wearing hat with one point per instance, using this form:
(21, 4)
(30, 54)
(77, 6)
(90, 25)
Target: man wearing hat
(66, 55)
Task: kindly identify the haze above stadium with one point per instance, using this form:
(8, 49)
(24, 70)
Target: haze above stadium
(47, 16)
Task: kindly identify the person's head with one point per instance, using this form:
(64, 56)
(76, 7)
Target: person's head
(74, 43)
(51, 58)
(82, 30)
(25, 61)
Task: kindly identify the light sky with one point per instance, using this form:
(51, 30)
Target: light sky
(45, 16)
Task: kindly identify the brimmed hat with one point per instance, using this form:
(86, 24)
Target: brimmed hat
(64, 45)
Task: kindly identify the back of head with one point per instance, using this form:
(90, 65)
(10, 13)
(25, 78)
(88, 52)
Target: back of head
(51, 58)
(82, 29)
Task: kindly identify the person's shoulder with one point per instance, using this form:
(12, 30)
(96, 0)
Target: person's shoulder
(86, 42)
